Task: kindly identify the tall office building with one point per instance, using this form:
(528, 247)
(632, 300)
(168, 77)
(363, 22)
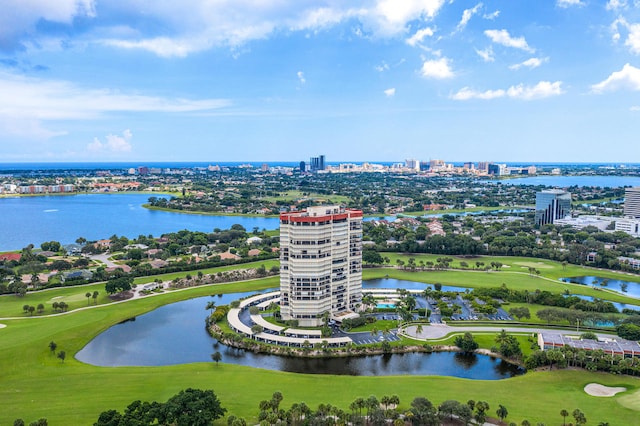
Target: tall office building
(552, 204)
(320, 264)
(317, 163)
(632, 202)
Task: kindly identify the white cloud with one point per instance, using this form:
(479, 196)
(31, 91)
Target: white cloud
(177, 29)
(390, 17)
(301, 78)
(633, 34)
(382, 67)
(390, 92)
(31, 101)
(502, 37)
(543, 89)
(486, 54)
(616, 4)
(466, 93)
(113, 144)
(635, 108)
(20, 18)
(467, 14)
(628, 78)
(491, 16)
(529, 63)
(419, 36)
(568, 3)
(437, 68)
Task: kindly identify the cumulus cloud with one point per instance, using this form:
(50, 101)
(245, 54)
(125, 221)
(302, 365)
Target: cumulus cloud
(390, 17)
(543, 89)
(568, 3)
(467, 14)
(628, 78)
(529, 63)
(437, 69)
(301, 78)
(633, 34)
(419, 36)
(113, 143)
(390, 92)
(486, 54)
(635, 108)
(504, 38)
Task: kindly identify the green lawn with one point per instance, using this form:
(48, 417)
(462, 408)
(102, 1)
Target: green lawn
(36, 384)
(514, 274)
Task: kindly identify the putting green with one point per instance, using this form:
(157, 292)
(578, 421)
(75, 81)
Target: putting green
(631, 401)
(537, 265)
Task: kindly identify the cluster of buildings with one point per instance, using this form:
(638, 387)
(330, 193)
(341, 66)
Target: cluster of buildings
(36, 189)
(554, 206)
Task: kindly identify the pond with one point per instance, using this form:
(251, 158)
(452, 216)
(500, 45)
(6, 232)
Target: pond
(175, 334)
(619, 306)
(632, 288)
(408, 285)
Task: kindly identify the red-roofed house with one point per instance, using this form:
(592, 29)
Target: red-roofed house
(10, 256)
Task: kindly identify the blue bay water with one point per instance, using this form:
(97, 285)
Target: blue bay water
(33, 220)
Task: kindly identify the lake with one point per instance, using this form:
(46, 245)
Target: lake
(633, 288)
(33, 220)
(175, 334)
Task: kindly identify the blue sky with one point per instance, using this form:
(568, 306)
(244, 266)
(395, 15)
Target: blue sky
(283, 80)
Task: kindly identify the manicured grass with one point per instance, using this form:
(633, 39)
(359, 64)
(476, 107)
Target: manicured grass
(487, 340)
(378, 325)
(36, 384)
(291, 196)
(514, 279)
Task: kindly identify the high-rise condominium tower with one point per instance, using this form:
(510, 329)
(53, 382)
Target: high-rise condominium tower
(320, 264)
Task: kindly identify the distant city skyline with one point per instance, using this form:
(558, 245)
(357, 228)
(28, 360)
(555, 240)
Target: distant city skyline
(387, 80)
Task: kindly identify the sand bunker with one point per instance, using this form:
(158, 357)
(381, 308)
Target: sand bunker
(2, 325)
(594, 389)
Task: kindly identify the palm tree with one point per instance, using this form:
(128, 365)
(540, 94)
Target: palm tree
(94, 296)
(88, 296)
(216, 357)
(419, 329)
(62, 355)
(35, 280)
(211, 305)
(502, 412)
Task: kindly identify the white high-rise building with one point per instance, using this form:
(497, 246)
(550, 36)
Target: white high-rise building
(632, 202)
(320, 264)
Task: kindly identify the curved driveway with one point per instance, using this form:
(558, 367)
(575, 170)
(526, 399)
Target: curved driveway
(439, 331)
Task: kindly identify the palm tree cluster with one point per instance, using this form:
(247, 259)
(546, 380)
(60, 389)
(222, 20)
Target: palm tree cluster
(596, 360)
